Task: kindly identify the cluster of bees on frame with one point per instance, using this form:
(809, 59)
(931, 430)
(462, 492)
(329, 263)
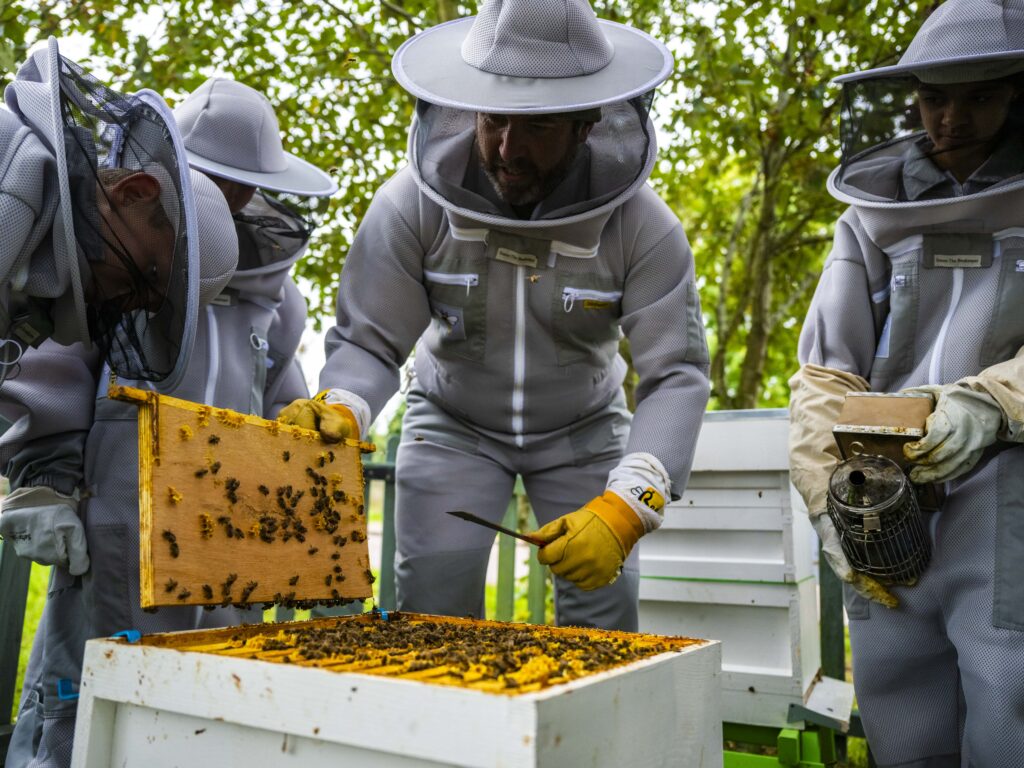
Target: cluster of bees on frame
(314, 517)
(486, 656)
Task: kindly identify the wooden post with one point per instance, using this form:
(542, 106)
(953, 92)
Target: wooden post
(505, 605)
(536, 593)
(386, 597)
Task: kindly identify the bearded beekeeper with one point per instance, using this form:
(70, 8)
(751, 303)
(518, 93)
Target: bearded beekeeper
(519, 240)
(923, 292)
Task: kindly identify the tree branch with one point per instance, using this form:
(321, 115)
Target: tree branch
(398, 10)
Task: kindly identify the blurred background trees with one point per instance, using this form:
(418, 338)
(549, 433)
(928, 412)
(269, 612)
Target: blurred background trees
(748, 124)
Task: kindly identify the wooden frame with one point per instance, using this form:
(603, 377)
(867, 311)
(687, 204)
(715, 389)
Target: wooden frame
(236, 509)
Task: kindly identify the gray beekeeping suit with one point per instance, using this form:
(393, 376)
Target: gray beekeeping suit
(924, 286)
(77, 262)
(516, 321)
(244, 359)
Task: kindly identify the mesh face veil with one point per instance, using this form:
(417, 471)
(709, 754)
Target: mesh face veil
(903, 136)
(119, 267)
(613, 161)
(130, 207)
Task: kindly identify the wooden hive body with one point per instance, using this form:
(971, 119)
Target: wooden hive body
(186, 699)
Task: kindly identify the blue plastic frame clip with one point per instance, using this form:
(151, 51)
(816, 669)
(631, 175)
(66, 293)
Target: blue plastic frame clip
(131, 635)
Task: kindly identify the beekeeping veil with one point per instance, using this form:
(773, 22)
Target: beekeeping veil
(125, 236)
(887, 154)
(523, 57)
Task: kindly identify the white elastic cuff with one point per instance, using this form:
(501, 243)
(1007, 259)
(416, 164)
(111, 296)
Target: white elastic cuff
(640, 479)
(359, 407)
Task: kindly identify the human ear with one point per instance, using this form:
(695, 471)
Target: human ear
(137, 188)
(584, 132)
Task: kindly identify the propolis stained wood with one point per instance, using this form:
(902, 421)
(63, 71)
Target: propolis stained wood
(238, 509)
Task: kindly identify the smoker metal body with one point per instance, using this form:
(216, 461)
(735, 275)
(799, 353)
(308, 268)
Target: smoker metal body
(874, 509)
(157, 703)
(871, 501)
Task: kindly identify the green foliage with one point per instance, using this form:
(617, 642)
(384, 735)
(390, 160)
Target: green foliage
(753, 123)
(748, 125)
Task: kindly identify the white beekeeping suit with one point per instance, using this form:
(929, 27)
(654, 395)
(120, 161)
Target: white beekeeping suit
(923, 291)
(114, 268)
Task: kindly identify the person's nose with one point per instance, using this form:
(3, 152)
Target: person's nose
(956, 114)
(512, 145)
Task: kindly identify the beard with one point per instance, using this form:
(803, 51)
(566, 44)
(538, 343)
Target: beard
(535, 185)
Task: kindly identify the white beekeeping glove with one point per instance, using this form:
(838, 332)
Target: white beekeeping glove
(44, 527)
(963, 424)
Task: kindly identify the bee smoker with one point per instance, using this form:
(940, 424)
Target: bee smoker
(874, 509)
(871, 501)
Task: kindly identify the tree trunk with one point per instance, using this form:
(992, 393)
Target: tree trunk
(447, 10)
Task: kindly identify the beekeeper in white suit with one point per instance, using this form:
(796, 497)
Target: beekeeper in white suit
(106, 223)
(923, 290)
(519, 240)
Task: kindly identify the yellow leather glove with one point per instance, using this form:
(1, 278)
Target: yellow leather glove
(588, 546)
(335, 422)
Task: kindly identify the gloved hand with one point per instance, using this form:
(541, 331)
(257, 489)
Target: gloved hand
(832, 548)
(588, 546)
(43, 526)
(963, 424)
(334, 421)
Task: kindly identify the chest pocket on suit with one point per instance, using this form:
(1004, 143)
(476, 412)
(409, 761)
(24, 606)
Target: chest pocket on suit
(894, 352)
(458, 308)
(584, 315)
(1005, 334)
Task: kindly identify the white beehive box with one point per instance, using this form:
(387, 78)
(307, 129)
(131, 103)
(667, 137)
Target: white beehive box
(732, 561)
(156, 706)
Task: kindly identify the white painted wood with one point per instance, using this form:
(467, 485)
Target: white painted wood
(765, 494)
(751, 637)
(733, 561)
(153, 706)
(743, 440)
(737, 593)
(721, 568)
(832, 699)
(732, 545)
(679, 517)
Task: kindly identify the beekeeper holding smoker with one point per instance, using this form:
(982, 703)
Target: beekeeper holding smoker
(923, 293)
